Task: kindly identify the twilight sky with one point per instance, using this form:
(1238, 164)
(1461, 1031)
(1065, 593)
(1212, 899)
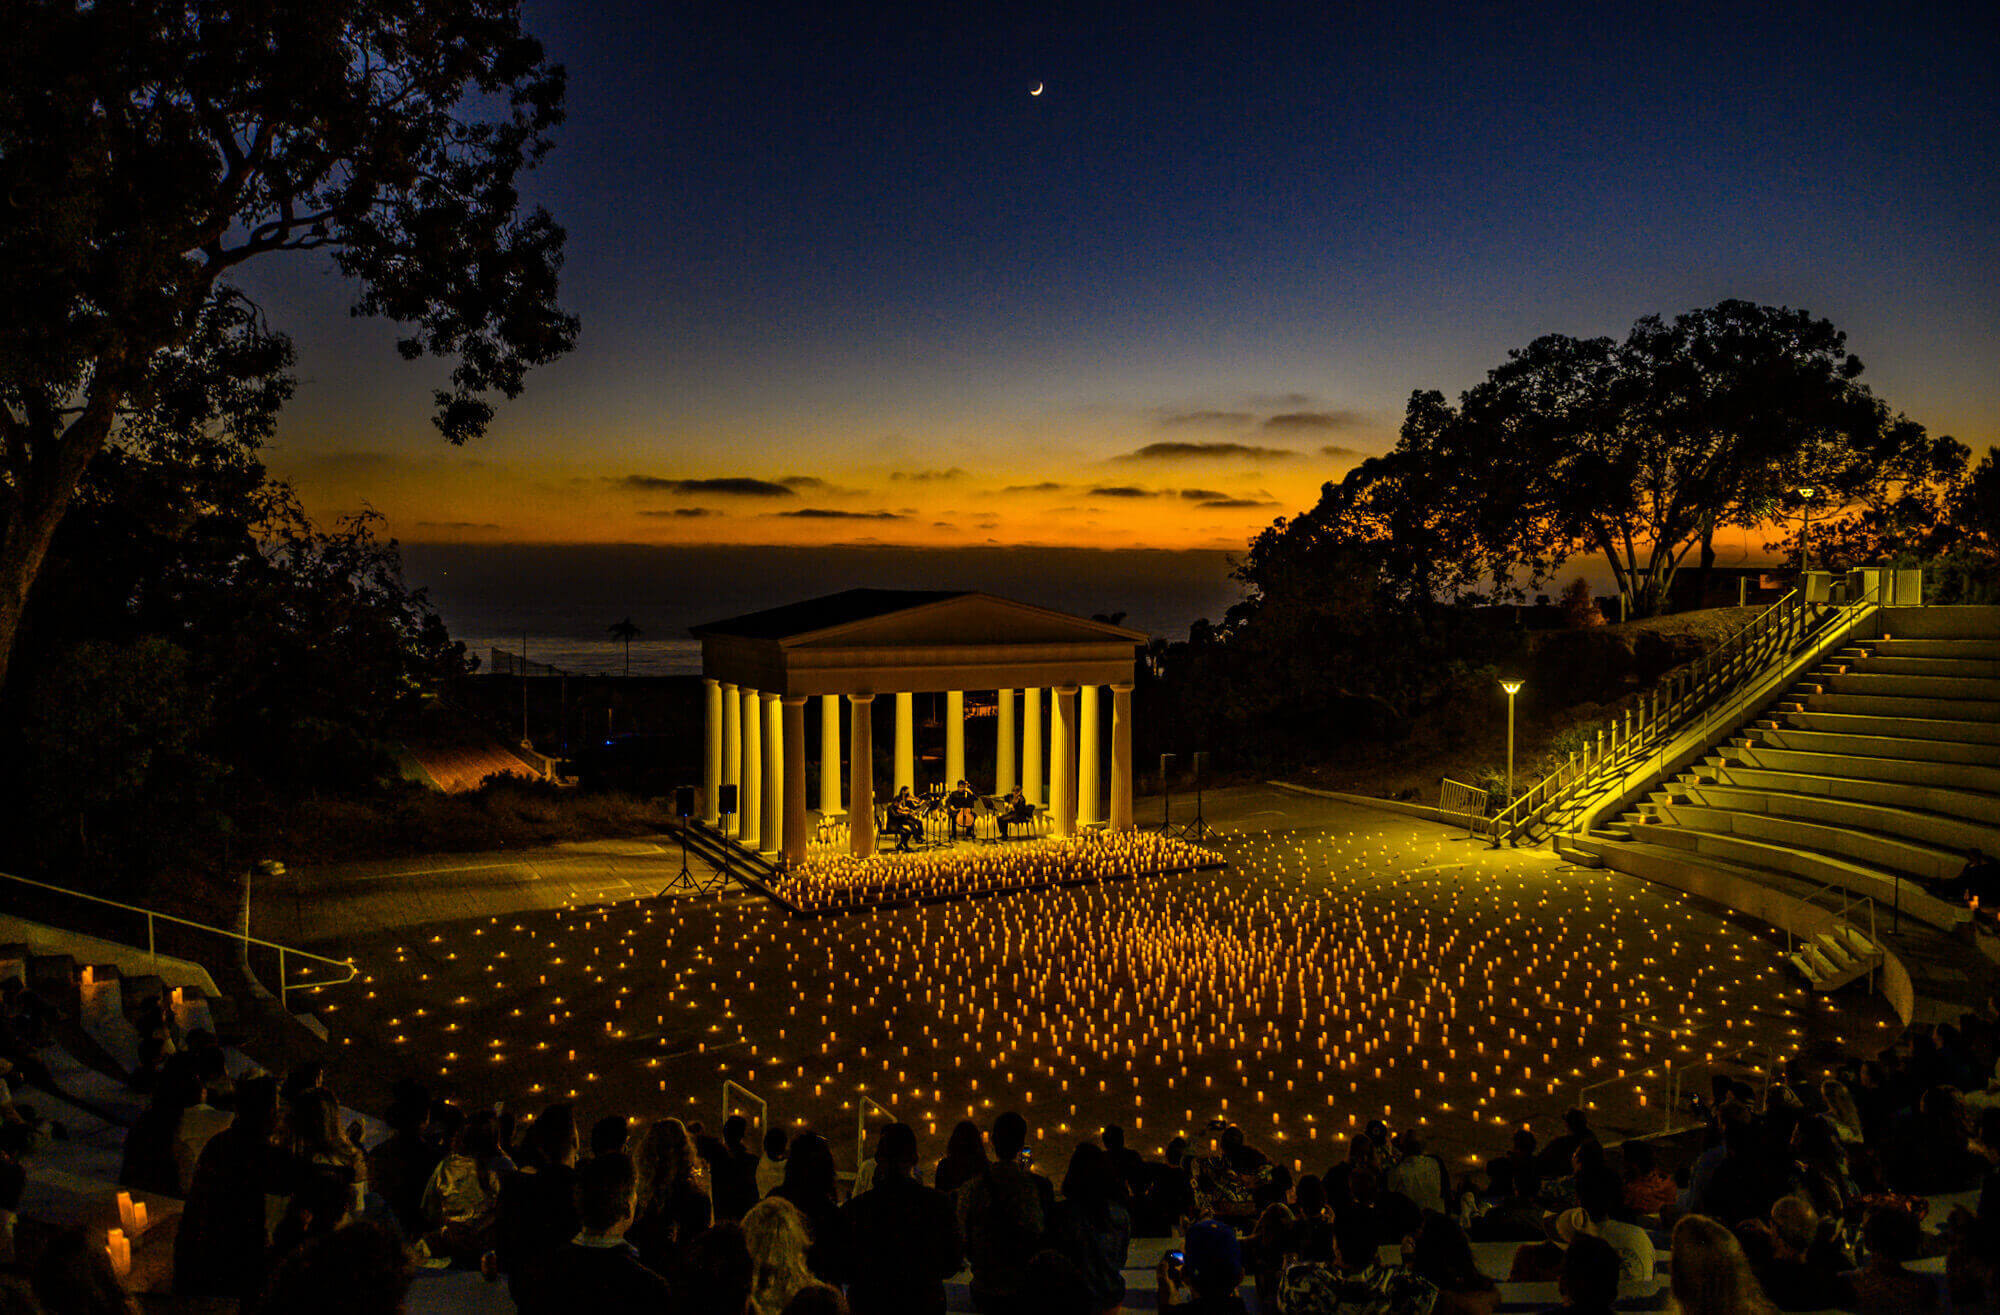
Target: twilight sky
(843, 279)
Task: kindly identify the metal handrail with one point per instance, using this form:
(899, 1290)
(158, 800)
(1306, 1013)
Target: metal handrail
(243, 938)
(763, 1106)
(862, 1100)
(1646, 728)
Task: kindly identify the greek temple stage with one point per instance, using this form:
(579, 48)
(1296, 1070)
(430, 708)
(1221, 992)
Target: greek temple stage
(760, 671)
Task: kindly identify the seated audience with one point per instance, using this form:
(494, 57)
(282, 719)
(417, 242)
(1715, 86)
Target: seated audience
(73, 1276)
(1711, 1275)
(1442, 1255)
(537, 1204)
(1003, 1214)
(716, 1274)
(964, 1157)
(812, 1184)
(222, 1243)
(674, 1206)
(1588, 1282)
(598, 1265)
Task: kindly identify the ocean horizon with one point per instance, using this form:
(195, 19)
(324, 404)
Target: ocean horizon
(563, 599)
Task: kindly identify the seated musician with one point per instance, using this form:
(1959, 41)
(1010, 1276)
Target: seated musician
(903, 820)
(958, 806)
(1014, 810)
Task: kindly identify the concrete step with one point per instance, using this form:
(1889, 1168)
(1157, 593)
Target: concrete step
(1987, 668)
(1973, 806)
(1975, 712)
(1985, 735)
(1808, 866)
(1937, 648)
(1887, 853)
(1872, 758)
(1954, 835)
(1881, 738)
(1912, 685)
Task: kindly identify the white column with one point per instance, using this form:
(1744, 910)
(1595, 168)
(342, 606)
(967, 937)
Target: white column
(1003, 755)
(954, 739)
(1121, 758)
(711, 747)
(1062, 760)
(750, 799)
(732, 748)
(861, 774)
(795, 779)
(829, 755)
(906, 741)
(1031, 745)
(1088, 733)
(774, 776)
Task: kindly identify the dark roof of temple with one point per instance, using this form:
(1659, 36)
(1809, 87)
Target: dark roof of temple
(817, 614)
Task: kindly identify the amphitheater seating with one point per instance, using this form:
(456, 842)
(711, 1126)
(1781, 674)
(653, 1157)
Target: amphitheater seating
(1872, 776)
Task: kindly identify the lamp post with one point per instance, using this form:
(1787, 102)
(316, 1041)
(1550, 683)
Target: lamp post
(1512, 687)
(1805, 493)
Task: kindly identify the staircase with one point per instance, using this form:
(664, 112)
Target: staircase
(1863, 784)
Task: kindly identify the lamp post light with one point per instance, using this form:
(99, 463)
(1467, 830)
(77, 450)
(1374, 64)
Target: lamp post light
(1512, 687)
(1805, 493)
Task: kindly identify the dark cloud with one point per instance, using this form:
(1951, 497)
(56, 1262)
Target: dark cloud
(1205, 419)
(1336, 450)
(928, 476)
(1172, 451)
(803, 482)
(1203, 495)
(835, 514)
(684, 513)
(1302, 421)
(740, 486)
(457, 525)
(1046, 486)
(1122, 491)
(1238, 504)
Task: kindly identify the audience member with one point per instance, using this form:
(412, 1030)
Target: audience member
(1598, 1193)
(1417, 1174)
(1129, 1165)
(222, 1243)
(812, 1184)
(674, 1207)
(716, 1274)
(153, 1148)
(598, 1265)
(1588, 1282)
(1892, 1238)
(732, 1168)
(903, 1237)
(461, 1204)
(401, 1165)
(537, 1204)
(817, 1299)
(1442, 1255)
(1711, 1275)
(777, 1236)
(1645, 1190)
(1168, 1199)
(1003, 1213)
(609, 1134)
(1206, 1278)
(771, 1165)
(964, 1157)
(1091, 1227)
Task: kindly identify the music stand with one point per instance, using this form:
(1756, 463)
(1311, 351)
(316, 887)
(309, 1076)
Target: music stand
(1199, 829)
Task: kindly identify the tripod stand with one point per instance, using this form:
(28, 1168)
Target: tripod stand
(1199, 829)
(685, 882)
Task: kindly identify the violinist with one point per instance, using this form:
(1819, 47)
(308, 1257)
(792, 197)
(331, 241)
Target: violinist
(903, 820)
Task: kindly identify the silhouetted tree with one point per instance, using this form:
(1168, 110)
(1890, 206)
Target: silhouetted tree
(148, 152)
(628, 632)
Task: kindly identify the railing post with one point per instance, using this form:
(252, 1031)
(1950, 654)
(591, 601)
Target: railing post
(151, 952)
(284, 983)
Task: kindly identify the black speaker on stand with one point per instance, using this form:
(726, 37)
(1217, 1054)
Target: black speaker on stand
(685, 882)
(1199, 829)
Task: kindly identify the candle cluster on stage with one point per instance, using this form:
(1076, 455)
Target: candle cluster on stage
(1315, 984)
(831, 881)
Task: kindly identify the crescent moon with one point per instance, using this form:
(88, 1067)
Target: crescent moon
(1037, 91)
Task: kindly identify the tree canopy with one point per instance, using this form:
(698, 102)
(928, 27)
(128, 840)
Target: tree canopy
(149, 150)
(1637, 450)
